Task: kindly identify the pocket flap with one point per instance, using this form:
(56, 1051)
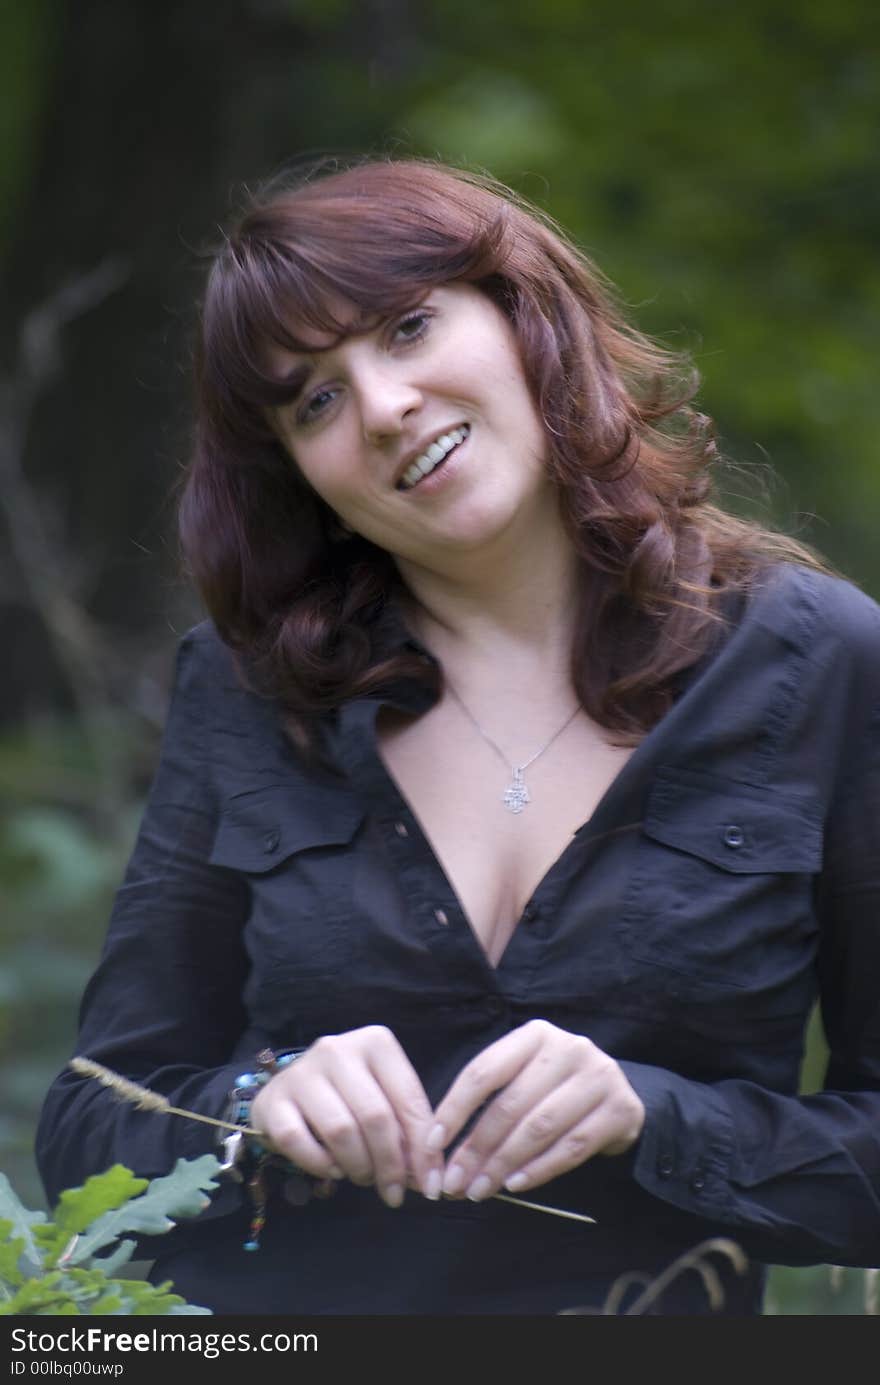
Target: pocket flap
(264, 826)
(735, 826)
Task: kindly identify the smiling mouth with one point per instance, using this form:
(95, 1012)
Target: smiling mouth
(433, 457)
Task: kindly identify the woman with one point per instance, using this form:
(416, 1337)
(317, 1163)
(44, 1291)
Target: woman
(525, 797)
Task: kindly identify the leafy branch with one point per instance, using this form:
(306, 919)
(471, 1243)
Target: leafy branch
(53, 1266)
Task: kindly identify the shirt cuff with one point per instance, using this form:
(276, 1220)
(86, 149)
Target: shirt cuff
(683, 1155)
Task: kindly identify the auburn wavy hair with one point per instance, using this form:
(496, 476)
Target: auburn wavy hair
(309, 615)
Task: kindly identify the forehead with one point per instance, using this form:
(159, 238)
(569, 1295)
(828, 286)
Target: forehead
(303, 340)
(338, 318)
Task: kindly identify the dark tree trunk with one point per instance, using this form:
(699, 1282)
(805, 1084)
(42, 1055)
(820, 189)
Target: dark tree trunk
(158, 114)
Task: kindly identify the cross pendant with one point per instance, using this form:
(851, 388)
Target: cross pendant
(516, 795)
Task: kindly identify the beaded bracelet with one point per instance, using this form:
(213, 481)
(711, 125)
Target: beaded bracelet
(250, 1162)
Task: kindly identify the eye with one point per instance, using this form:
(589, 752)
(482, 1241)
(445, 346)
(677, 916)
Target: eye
(413, 325)
(316, 404)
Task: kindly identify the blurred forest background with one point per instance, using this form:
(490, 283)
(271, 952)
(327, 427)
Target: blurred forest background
(720, 162)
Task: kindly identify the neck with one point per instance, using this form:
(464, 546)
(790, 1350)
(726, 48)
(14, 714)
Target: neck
(513, 609)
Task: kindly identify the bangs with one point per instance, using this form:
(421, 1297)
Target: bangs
(334, 258)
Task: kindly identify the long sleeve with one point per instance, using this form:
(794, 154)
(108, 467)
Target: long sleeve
(164, 1006)
(797, 1178)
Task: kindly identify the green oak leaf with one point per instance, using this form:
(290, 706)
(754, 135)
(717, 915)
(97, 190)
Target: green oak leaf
(78, 1208)
(10, 1255)
(181, 1193)
(109, 1264)
(21, 1226)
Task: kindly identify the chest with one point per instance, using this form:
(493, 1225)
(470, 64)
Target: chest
(455, 782)
(690, 904)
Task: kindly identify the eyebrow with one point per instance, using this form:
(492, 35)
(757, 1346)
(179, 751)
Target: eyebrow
(294, 382)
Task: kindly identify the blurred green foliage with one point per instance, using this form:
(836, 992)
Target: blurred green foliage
(722, 164)
(27, 54)
(58, 873)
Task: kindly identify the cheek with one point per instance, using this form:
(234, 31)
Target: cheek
(319, 469)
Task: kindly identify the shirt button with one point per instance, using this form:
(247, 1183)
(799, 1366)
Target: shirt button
(733, 836)
(441, 916)
(529, 913)
(271, 840)
(401, 829)
(698, 1183)
(665, 1167)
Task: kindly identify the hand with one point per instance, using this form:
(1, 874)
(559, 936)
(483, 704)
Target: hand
(558, 1100)
(352, 1106)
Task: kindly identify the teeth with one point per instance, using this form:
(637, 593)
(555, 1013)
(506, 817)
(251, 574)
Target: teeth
(432, 455)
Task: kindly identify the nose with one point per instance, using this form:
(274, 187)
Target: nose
(386, 398)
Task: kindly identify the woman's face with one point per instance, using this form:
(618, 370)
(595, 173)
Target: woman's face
(421, 434)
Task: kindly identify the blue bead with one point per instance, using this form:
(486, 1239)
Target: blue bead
(247, 1079)
(251, 1245)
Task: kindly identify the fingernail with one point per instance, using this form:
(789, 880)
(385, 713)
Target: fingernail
(479, 1188)
(393, 1194)
(433, 1184)
(436, 1139)
(454, 1180)
(515, 1181)
(335, 1171)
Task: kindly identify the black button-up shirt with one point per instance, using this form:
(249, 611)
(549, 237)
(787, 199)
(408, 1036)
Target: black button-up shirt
(729, 875)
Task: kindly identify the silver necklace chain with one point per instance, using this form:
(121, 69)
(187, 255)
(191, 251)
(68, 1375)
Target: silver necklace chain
(516, 795)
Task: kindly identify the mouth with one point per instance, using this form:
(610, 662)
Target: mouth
(433, 457)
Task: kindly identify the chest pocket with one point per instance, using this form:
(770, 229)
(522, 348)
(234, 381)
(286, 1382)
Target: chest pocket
(721, 889)
(295, 846)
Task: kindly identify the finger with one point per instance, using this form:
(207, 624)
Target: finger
(505, 1114)
(354, 1123)
(489, 1072)
(378, 1084)
(412, 1111)
(286, 1132)
(574, 1147)
(377, 1126)
(382, 1136)
(336, 1130)
(544, 1126)
(357, 1124)
(300, 1109)
(534, 1120)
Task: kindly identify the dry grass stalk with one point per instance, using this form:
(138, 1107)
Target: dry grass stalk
(146, 1100)
(143, 1098)
(542, 1207)
(654, 1289)
(694, 1260)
